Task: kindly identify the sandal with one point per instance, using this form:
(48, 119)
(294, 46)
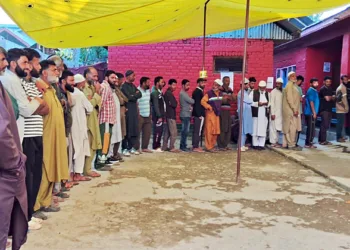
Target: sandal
(275, 145)
(94, 174)
(62, 195)
(81, 178)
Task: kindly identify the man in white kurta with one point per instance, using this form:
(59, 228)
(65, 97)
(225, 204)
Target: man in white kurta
(276, 113)
(260, 108)
(80, 137)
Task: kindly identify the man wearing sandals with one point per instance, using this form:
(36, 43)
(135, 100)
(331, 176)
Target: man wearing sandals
(312, 103)
(276, 113)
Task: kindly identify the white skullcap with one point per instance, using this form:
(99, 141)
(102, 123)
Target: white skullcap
(218, 81)
(262, 84)
(280, 80)
(78, 78)
(291, 73)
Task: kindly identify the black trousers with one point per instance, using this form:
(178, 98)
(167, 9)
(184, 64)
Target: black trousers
(310, 129)
(157, 133)
(33, 149)
(326, 118)
(198, 125)
(129, 142)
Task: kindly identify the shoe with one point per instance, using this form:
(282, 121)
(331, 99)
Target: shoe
(32, 225)
(50, 209)
(158, 150)
(102, 158)
(39, 215)
(185, 150)
(120, 159)
(40, 221)
(175, 150)
(295, 148)
(113, 160)
(126, 153)
(341, 140)
(243, 149)
(134, 152)
(147, 151)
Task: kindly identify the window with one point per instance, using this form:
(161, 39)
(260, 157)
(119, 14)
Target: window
(283, 73)
(232, 64)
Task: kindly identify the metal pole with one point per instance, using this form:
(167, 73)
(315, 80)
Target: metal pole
(242, 91)
(204, 33)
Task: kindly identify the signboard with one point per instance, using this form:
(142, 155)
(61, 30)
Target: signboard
(269, 83)
(327, 67)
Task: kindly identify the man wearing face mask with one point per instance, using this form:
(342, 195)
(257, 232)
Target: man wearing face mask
(33, 139)
(11, 80)
(107, 117)
(92, 93)
(55, 159)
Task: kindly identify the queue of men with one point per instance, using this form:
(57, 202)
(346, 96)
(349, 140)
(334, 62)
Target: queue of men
(58, 128)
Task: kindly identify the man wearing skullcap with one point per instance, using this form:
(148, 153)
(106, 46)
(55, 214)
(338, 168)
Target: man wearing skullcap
(290, 112)
(260, 113)
(276, 113)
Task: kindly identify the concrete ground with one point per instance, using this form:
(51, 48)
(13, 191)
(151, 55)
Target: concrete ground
(192, 202)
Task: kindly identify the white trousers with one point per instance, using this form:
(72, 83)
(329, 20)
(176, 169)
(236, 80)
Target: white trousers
(259, 141)
(273, 133)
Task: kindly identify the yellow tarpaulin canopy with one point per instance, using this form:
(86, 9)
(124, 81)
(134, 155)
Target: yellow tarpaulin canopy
(83, 23)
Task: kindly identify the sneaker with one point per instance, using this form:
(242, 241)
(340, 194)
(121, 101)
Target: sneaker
(40, 221)
(126, 153)
(102, 158)
(50, 209)
(158, 150)
(113, 160)
(185, 150)
(295, 148)
(243, 149)
(134, 152)
(39, 215)
(32, 225)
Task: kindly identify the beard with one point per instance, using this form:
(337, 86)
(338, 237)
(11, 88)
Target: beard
(111, 84)
(52, 79)
(34, 73)
(69, 88)
(90, 82)
(20, 72)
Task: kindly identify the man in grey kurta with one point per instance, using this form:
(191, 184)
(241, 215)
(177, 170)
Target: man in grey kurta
(13, 195)
(186, 103)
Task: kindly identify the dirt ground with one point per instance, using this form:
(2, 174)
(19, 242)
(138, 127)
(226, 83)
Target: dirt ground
(191, 201)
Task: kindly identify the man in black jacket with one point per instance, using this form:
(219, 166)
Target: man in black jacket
(158, 112)
(198, 114)
(170, 113)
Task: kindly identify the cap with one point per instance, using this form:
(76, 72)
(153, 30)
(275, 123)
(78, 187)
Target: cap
(218, 81)
(262, 84)
(246, 81)
(291, 73)
(279, 80)
(78, 78)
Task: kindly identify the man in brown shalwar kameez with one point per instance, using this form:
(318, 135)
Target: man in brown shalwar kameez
(290, 112)
(13, 195)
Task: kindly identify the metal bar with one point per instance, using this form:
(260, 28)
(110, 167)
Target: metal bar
(242, 91)
(204, 32)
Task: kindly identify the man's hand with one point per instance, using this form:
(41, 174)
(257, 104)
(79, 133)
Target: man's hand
(296, 113)
(63, 102)
(273, 117)
(39, 100)
(97, 87)
(159, 120)
(314, 116)
(260, 104)
(210, 108)
(41, 85)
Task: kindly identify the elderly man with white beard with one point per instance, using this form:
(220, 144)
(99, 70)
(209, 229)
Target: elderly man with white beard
(260, 113)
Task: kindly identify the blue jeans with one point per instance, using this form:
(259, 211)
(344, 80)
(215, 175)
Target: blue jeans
(184, 131)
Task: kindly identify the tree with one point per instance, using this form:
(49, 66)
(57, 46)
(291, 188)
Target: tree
(93, 55)
(316, 17)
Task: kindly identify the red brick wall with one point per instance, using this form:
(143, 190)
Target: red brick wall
(183, 59)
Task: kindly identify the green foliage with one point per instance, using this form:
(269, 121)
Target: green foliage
(93, 55)
(316, 17)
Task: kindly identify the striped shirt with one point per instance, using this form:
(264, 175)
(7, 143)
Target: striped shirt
(108, 110)
(33, 125)
(144, 102)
